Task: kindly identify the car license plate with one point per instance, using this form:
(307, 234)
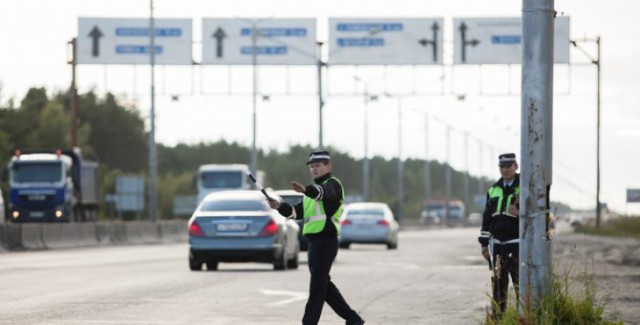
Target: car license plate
(231, 226)
(36, 214)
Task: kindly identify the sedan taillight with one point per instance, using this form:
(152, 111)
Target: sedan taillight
(345, 222)
(383, 223)
(195, 230)
(270, 229)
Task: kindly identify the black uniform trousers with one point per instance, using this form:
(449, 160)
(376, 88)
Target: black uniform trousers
(321, 253)
(509, 254)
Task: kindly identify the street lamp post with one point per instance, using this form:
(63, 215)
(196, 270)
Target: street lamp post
(365, 161)
(595, 61)
(153, 165)
(254, 59)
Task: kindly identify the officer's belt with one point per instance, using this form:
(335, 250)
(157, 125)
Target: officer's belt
(512, 241)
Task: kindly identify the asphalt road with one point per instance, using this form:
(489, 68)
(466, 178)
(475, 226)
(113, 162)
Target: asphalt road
(434, 277)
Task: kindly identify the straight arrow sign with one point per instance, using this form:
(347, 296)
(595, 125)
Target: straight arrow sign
(219, 35)
(95, 35)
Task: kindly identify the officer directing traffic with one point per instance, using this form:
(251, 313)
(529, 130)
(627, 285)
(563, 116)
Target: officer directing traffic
(320, 208)
(500, 230)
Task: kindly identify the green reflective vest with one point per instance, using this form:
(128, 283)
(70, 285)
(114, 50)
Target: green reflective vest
(496, 194)
(315, 217)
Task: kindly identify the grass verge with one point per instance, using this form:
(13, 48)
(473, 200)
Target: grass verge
(561, 306)
(619, 227)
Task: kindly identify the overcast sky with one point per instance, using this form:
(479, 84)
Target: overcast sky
(34, 33)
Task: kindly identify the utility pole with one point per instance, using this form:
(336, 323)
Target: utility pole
(447, 176)
(595, 61)
(74, 94)
(365, 167)
(254, 59)
(427, 165)
(535, 154)
(320, 64)
(320, 95)
(400, 166)
(153, 165)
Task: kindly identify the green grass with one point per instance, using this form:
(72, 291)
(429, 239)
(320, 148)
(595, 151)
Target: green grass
(560, 306)
(619, 227)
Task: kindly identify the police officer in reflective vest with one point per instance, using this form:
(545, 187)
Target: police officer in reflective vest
(321, 208)
(499, 236)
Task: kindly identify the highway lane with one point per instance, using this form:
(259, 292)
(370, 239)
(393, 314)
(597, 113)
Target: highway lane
(434, 277)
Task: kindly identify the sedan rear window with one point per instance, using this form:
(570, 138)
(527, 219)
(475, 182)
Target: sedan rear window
(234, 205)
(366, 213)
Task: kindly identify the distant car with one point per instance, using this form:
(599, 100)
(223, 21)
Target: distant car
(239, 226)
(292, 197)
(368, 223)
(475, 218)
(433, 211)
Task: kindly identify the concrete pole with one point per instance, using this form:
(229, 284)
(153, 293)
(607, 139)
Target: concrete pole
(153, 164)
(365, 160)
(465, 181)
(254, 61)
(535, 154)
(447, 175)
(400, 166)
(320, 97)
(598, 205)
(427, 165)
(481, 189)
(74, 94)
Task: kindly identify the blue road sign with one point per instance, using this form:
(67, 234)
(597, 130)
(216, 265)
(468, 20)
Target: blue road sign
(370, 27)
(359, 42)
(142, 31)
(265, 50)
(136, 49)
(276, 32)
(506, 39)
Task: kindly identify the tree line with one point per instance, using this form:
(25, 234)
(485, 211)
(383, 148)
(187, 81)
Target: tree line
(114, 135)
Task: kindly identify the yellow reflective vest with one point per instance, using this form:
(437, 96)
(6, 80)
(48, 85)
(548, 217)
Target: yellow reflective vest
(314, 215)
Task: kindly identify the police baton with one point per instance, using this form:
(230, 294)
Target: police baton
(259, 186)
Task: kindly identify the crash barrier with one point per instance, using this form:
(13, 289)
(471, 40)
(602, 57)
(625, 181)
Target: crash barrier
(38, 236)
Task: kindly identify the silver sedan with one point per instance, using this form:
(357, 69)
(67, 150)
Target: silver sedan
(239, 226)
(368, 223)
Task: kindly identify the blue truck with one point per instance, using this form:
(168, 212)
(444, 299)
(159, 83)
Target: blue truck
(55, 185)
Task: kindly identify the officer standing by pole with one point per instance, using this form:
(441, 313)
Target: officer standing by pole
(499, 236)
(320, 208)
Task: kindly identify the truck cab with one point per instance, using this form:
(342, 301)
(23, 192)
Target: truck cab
(51, 186)
(40, 187)
(222, 177)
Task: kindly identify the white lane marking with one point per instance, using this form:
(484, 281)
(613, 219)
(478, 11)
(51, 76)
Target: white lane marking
(294, 296)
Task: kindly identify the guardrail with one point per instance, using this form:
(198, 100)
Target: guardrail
(38, 236)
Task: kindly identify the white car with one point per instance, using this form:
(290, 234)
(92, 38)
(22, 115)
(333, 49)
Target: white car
(368, 223)
(292, 197)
